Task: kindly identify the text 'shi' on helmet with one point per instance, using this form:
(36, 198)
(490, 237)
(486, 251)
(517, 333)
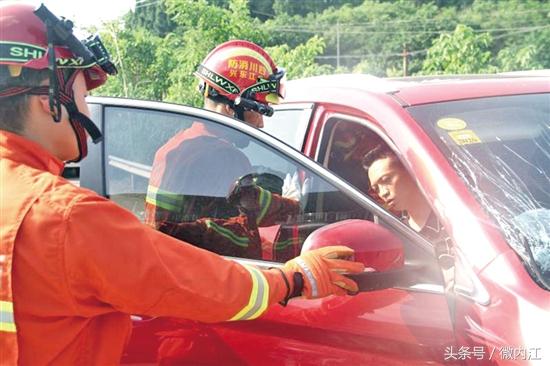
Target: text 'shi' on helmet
(34, 38)
(242, 74)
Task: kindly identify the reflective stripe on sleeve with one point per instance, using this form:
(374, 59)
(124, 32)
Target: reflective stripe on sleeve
(259, 295)
(164, 199)
(7, 322)
(241, 241)
(284, 243)
(265, 202)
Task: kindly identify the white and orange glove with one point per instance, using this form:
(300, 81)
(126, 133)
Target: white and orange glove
(319, 273)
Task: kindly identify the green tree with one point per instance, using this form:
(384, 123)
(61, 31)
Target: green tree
(160, 45)
(522, 58)
(151, 15)
(304, 7)
(300, 61)
(373, 33)
(161, 68)
(460, 52)
(521, 26)
(135, 53)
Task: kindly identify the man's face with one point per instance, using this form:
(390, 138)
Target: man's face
(392, 183)
(254, 119)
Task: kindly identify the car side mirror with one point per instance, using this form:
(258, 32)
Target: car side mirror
(376, 247)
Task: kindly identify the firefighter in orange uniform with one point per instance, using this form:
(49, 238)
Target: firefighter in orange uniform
(73, 264)
(237, 78)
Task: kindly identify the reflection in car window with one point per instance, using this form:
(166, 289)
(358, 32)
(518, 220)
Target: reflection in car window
(500, 147)
(132, 136)
(131, 150)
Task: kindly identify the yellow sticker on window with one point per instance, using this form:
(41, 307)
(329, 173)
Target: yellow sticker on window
(465, 137)
(451, 123)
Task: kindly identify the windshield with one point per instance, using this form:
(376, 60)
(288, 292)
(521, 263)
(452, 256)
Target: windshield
(500, 147)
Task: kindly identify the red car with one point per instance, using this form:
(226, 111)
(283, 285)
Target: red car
(479, 150)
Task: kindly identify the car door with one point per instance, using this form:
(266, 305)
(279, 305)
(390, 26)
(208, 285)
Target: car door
(408, 324)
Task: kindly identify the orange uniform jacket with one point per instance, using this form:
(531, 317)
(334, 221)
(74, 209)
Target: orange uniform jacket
(81, 264)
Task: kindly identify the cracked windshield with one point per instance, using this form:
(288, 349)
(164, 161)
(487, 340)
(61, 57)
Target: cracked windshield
(500, 147)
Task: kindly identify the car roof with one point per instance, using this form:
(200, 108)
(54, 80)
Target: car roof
(417, 90)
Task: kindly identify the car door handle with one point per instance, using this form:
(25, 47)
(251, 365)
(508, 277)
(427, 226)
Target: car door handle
(373, 281)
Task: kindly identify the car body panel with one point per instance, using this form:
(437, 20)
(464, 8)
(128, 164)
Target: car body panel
(335, 331)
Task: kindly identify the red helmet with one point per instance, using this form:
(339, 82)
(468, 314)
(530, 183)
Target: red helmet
(242, 69)
(24, 43)
(36, 39)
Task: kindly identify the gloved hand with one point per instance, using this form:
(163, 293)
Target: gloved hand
(292, 189)
(321, 270)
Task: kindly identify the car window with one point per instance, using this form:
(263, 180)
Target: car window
(131, 141)
(130, 150)
(289, 124)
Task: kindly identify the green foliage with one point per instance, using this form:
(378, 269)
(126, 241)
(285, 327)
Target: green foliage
(162, 68)
(135, 53)
(151, 16)
(461, 52)
(160, 45)
(304, 7)
(522, 58)
(300, 61)
(374, 33)
(514, 24)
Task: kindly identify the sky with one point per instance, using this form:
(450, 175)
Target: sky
(86, 13)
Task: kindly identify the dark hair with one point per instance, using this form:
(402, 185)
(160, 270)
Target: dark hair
(381, 151)
(13, 109)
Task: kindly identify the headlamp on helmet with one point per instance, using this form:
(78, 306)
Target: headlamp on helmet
(85, 54)
(36, 39)
(90, 51)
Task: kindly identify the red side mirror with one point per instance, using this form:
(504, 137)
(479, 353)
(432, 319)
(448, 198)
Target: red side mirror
(375, 246)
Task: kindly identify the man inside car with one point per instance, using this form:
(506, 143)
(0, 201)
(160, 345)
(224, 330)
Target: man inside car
(393, 186)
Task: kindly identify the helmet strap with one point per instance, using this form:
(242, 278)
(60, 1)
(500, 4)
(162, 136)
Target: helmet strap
(53, 93)
(60, 91)
(79, 121)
